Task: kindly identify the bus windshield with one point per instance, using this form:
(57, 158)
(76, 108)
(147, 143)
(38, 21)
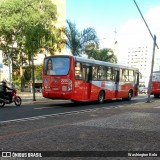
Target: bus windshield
(56, 65)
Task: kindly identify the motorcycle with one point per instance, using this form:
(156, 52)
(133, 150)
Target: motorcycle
(15, 99)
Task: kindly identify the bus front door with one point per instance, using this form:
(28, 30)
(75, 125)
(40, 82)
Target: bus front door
(86, 71)
(116, 85)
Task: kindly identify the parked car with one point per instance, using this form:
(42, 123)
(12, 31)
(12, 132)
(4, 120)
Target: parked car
(143, 90)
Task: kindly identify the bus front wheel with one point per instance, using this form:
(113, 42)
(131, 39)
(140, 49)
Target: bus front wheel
(101, 97)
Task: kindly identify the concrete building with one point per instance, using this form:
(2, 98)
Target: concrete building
(140, 56)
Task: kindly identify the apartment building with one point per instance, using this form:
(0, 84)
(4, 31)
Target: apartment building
(141, 57)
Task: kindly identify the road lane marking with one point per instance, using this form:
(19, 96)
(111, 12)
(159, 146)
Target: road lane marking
(157, 107)
(61, 114)
(56, 114)
(43, 107)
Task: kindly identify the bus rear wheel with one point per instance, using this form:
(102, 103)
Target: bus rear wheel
(101, 97)
(156, 95)
(130, 94)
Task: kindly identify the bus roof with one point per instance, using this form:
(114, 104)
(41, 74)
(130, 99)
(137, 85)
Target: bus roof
(97, 62)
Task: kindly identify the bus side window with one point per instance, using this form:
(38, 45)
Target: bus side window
(131, 75)
(116, 75)
(110, 74)
(94, 73)
(101, 73)
(86, 71)
(78, 70)
(125, 77)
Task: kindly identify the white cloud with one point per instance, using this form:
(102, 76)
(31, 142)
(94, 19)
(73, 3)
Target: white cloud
(136, 32)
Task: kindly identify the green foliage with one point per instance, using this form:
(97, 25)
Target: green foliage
(77, 41)
(38, 72)
(17, 81)
(27, 74)
(31, 24)
(105, 54)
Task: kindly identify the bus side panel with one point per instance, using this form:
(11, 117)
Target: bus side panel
(85, 91)
(78, 90)
(155, 88)
(94, 91)
(107, 86)
(123, 92)
(124, 89)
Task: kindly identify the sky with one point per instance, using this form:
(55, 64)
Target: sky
(122, 16)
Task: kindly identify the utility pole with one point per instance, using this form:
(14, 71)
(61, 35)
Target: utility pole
(150, 79)
(154, 45)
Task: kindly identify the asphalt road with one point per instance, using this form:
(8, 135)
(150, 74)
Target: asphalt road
(46, 107)
(60, 126)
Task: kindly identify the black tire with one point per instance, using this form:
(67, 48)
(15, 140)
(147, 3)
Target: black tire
(156, 95)
(2, 104)
(101, 97)
(130, 94)
(18, 101)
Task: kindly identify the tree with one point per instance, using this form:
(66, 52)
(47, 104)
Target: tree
(105, 54)
(76, 41)
(31, 24)
(38, 72)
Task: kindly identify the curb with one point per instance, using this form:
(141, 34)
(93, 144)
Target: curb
(43, 100)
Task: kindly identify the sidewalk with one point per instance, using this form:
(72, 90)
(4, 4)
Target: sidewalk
(27, 97)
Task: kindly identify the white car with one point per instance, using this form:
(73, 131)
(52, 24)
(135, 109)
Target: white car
(143, 90)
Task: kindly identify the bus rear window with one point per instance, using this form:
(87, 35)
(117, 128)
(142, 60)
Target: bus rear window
(156, 77)
(56, 65)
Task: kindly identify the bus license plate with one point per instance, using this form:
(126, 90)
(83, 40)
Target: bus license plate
(64, 88)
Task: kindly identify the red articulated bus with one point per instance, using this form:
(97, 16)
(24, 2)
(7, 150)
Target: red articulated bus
(81, 79)
(155, 86)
